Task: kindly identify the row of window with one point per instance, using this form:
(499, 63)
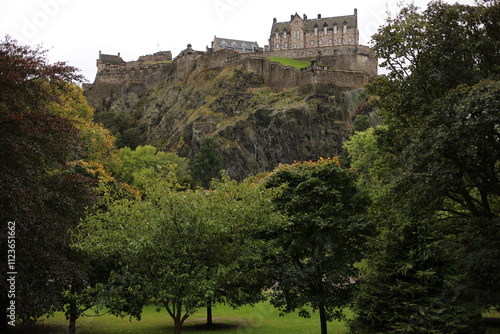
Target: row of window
(330, 41)
(296, 33)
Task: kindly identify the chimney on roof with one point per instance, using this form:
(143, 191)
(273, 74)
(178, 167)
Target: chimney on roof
(305, 17)
(274, 20)
(291, 17)
(355, 12)
(319, 16)
(118, 54)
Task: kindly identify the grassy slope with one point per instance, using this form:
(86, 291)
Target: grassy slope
(298, 64)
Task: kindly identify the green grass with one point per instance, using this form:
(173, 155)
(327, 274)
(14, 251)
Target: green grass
(298, 64)
(158, 62)
(260, 319)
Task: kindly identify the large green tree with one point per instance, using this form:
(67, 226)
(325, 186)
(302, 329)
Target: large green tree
(440, 106)
(313, 265)
(188, 247)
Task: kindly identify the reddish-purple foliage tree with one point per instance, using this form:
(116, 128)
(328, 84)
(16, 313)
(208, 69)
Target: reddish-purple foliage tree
(38, 190)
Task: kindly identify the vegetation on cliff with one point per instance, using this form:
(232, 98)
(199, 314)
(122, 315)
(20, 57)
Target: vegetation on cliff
(255, 127)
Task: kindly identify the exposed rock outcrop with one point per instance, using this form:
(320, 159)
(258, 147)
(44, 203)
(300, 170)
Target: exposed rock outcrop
(256, 127)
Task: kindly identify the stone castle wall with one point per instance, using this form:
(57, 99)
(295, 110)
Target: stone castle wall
(110, 84)
(355, 57)
(278, 76)
(352, 67)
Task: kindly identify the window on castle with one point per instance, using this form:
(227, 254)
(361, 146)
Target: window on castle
(277, 46)
(315, 31)
(350, 39)
(320, 42)
(312, 43)
(340, 41)
(294, 46)
(286, 45)
(330, 41)
(325, 30)
(335, 30)
(295, 34)
(284, 35)
(345, 29)
(277, 35)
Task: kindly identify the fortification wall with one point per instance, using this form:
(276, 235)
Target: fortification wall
(109, 85)
(354, 58)
(352, 67)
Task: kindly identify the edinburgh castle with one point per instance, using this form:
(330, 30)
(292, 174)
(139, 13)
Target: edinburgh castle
(331, 44)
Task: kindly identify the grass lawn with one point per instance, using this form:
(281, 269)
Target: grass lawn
(260, 319)
(298, 64)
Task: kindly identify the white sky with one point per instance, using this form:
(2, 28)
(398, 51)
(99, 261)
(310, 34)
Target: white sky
(75, 30)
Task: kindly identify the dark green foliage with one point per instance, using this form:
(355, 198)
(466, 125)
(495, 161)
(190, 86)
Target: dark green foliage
(123, 127)
(413, 284)
(313, 265)
(431, 270)
(361, 123)
(207, 164)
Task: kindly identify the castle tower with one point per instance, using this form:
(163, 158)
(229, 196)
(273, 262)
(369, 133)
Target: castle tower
(318, 32)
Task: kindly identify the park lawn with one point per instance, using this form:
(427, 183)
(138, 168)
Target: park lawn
(298, 64)
(260, 319)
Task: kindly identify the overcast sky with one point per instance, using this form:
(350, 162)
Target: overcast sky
(75, 30)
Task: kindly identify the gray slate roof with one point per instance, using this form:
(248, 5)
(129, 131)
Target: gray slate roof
(230, 43)
(111, 59)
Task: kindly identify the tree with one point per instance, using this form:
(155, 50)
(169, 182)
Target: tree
(440, 107)
(207, 164)
(39, 190)
(185, 244)
(361, 123)
(314, 264)
(133, 163)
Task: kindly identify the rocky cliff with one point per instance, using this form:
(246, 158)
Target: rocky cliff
(256, 127)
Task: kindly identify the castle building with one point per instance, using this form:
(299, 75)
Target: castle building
(233, 44)
(107, 62)
(301, 32)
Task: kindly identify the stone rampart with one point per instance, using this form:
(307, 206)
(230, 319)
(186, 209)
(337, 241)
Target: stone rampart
(355, 57)
(353, 67)
(110, 84)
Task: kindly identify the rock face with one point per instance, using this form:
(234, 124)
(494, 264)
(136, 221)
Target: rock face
(256, 127)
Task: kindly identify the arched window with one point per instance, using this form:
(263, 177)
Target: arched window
(325, 29)
(315, 30)
(345, 27)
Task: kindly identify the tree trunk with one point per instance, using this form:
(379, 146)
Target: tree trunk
(322, 319)
(72, 322)
(177, 327)
(72, 312)
(209, 313)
